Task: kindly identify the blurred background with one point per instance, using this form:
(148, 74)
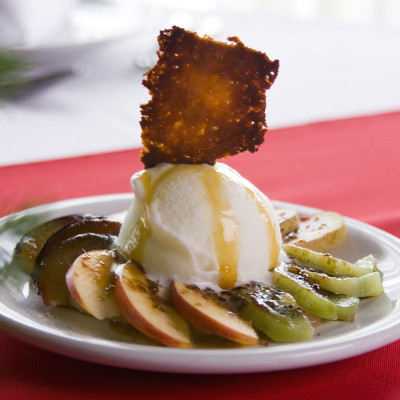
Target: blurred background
(352, 11)
(71, 71)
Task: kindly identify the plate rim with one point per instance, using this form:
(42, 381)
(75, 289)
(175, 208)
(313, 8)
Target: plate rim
(56, 340)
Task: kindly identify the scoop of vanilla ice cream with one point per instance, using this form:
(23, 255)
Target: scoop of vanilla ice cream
(200, 224)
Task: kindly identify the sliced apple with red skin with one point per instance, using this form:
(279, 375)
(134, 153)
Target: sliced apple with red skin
(29, 246)
(90, 281)
(61, 250)
(202, 308)
(138, 301)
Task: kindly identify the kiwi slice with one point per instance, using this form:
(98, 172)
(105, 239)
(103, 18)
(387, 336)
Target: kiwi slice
(331, 264)
(272, 311)
(369, 285)
(311, 297)
(369, 262)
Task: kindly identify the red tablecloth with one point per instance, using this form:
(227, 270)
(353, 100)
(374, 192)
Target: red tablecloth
(351, 166)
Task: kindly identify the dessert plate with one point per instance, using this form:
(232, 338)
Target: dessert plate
(68, 332)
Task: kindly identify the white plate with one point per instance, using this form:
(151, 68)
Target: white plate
(70, 333)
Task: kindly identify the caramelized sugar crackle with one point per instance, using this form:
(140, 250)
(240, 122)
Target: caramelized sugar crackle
(208, 99)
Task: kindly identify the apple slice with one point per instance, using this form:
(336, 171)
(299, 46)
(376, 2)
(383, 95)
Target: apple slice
(288, 219)
(31, 243)
(321, 232)
(139, 302)
(202, 308)
(90, 281)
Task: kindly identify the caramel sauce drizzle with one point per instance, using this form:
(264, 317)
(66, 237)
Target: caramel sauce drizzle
(223, 225)
(225, 230)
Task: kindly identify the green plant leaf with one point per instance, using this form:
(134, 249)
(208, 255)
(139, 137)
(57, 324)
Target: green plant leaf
(13, 70)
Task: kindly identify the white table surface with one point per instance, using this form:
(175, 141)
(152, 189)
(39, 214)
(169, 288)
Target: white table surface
(328, 70)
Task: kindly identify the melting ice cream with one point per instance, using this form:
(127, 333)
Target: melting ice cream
(200, 224)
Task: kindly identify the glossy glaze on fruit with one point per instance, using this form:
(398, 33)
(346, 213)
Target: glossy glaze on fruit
(79, 265)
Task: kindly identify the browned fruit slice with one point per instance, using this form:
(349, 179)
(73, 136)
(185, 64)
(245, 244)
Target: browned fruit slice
(88, 224)
(31, 243)
(50, 278)
(138, 301)
(201, 308)
(61, 250)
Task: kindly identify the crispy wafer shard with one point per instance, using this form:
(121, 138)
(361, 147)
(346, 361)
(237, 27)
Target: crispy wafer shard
(207, 99)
